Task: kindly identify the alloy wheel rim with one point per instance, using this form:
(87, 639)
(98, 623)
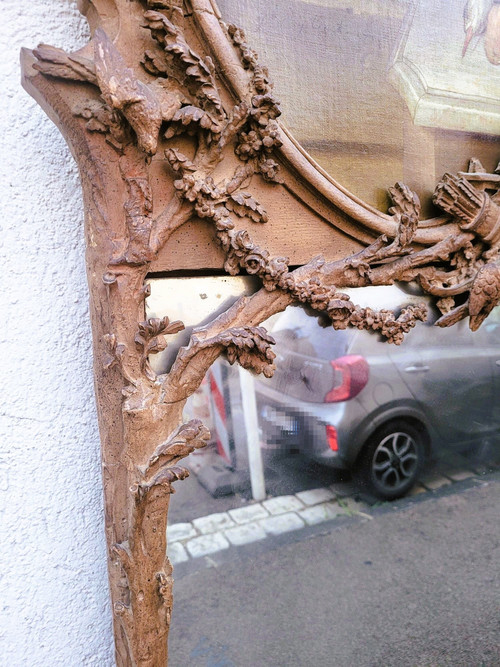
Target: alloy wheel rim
(395, 461)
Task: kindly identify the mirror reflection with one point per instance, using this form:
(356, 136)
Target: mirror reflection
(343, 410)
(292, 511)
(351, 428)
(382, 90)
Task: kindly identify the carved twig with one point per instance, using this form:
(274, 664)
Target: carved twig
(146, 610)
(150, 339)
(248, 345)
(187, 438)
(192, 362)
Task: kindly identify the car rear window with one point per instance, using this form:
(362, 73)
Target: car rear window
(298, 329)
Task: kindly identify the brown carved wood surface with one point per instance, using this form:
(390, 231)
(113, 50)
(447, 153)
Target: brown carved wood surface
(184, 165)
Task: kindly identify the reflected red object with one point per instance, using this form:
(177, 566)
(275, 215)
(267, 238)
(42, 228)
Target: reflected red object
(332, 439)
(354, 373)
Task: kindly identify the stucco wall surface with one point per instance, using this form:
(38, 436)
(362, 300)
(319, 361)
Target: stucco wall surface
(53, 580)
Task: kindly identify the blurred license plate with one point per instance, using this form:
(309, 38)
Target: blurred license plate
(280, 419)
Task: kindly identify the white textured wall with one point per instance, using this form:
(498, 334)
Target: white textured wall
(54, 596)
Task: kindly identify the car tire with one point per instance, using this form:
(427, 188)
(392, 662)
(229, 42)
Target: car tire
(391, 460)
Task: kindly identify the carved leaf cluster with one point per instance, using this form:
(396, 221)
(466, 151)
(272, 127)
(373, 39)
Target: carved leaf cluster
(190, 119)
(385, 322)
(197, 74)
(178, 161)
(104, 120)
(212, 201)
(150, 339)
(250, 347)
(244, 205)
(406, 211)
(187, 438)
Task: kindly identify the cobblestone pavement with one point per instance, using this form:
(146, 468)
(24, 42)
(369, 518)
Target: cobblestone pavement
(254, 521)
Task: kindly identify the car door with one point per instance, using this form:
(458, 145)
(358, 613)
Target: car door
(487, 344)
(451, 379)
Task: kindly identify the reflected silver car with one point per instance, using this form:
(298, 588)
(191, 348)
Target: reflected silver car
(349, 400)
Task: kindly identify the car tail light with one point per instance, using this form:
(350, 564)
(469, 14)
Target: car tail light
(331, 437)
(351, 375)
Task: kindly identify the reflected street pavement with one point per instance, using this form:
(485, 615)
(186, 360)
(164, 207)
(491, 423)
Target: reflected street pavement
(415, 585)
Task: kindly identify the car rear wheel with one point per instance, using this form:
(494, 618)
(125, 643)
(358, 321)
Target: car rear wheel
(391, 461)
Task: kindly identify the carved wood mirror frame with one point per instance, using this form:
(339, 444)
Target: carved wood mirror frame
(185, 166)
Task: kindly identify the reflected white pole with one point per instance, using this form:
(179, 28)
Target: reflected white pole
(249, 405)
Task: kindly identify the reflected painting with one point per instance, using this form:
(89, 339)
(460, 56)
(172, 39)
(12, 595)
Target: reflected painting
(383, 90)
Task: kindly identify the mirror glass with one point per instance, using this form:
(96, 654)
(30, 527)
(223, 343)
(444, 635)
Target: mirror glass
(394, 446)
(381, 90)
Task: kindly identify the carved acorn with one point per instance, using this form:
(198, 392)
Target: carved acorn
(484, 294)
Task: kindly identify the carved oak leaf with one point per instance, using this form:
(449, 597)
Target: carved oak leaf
(59, 64)
(155, 64)
(241, 174)
(122, 90)
(484, 294)
(187, 438)
(163, 30)
(244, 205)
(191, 115)
(178, 161)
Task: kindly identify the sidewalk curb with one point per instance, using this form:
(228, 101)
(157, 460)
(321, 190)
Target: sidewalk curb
(295, 522)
